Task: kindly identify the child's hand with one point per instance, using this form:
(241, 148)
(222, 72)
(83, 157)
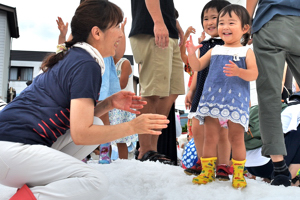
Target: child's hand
(200, 39)
(190, 47)
(123, 25)
(189, 31)
(188, 100)
(62, 27)
(231, 69)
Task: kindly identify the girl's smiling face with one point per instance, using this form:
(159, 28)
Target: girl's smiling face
(210, 22)
(230, 29)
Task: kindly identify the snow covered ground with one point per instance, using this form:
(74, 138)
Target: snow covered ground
(134, 180)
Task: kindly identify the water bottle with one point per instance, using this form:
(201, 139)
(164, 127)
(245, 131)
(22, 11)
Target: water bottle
(104, 157)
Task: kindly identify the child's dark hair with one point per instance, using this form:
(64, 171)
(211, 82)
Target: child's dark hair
(89, 13)
(243, 15)
(176, 13)
(217, 4)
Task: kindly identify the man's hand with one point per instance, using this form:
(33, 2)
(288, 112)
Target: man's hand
(161, 34)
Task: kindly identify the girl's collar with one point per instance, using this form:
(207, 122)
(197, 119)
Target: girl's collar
(212, 38)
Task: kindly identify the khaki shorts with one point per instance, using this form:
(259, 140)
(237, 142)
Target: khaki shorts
(161, 72)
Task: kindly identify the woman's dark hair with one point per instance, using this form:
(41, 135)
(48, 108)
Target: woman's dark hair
(217, 4)
(90, 13)
(243, 15)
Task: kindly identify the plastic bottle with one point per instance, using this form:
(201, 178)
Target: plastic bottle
(104, 157)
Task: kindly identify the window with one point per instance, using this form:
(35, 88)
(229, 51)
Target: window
(21, 74)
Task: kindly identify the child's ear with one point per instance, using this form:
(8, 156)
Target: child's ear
(246, 28)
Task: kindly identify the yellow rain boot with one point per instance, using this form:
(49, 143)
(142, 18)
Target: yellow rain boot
(238, 179)
(208, 171)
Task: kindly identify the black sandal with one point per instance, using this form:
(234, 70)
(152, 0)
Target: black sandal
(155, 156)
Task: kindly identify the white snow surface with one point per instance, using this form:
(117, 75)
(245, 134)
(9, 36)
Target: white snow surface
(135, 180)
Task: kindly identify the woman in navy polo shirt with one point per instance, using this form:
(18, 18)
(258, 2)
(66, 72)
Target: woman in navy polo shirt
(54, 123)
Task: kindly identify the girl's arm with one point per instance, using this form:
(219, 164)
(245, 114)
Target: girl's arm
(125, 72)
(84, 132)
(63, 29)
(194, 82)
(249, 74)
(184, 57)
(180, 33)
(190, 94)
(195, 63)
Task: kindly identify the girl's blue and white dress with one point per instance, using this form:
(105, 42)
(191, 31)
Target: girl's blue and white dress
(117, 116)
(225, 97)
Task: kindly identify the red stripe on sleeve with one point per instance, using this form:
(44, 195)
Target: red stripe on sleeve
(44, 130)
(39, 133)
(56, 124)
(64, 115)
(61, 121)
(59, 132)
(49, 129)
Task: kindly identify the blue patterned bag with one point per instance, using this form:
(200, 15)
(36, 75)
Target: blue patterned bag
(190, 157)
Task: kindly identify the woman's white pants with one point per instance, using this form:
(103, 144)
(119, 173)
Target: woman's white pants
(52, 173)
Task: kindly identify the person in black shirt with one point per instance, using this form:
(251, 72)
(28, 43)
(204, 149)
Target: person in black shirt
(154, 41)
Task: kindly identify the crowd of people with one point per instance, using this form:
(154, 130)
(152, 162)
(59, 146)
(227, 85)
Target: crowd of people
(84, 97)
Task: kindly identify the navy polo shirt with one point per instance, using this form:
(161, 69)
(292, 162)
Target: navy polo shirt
(41, 113)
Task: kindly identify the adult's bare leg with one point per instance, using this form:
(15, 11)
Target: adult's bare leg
(158, 106)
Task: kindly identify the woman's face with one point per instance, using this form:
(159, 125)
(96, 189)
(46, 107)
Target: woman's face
(110, 40)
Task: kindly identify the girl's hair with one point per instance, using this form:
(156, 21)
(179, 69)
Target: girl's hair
(90, 13)
(217, 4)
(176, 13)
(243, 15)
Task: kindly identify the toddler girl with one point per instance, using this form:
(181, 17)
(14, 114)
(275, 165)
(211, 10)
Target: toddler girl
(226, 93)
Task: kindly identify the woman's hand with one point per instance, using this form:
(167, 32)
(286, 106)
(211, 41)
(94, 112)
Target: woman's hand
(149, 124)
(128, 101)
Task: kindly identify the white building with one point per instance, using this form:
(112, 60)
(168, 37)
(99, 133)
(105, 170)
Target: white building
(8, 29)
